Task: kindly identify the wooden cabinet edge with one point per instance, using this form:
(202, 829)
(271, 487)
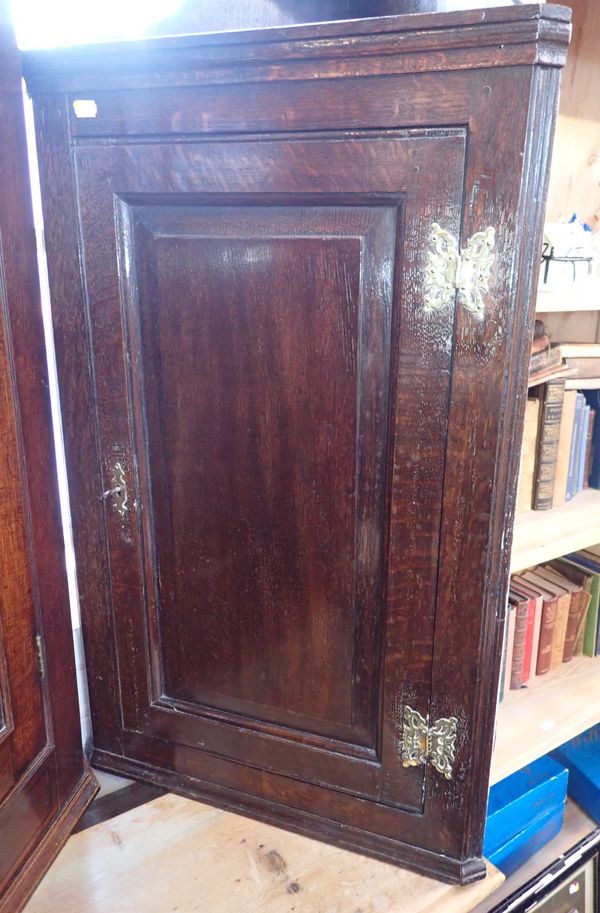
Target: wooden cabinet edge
(385, 849)
(21, 889)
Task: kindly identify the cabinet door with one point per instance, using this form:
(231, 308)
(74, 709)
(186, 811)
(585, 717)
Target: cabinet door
(43, 783)
(271, 399)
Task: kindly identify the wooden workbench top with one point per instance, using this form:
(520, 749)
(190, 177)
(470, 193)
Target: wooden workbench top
(175, 855)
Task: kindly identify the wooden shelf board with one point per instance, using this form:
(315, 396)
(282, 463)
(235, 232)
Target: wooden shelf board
(577, 825)
(177, 854)
(581, 296)
(582, 383)
(552, 709)
(540, 535)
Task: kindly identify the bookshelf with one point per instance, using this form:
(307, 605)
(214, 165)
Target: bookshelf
(584, 296)
(581, 383)
(540, 535)
(552, 709)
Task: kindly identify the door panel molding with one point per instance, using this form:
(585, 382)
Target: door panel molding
(136, 202)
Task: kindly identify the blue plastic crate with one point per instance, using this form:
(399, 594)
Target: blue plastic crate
(518, 801)
(515, 852)
(582, 758)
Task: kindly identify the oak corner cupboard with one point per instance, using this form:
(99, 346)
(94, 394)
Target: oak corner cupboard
(292, 275)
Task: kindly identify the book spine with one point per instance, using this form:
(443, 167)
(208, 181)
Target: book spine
(564, 447)
(582, 447)
(546, 637)
(590, 631)
(593, 398)
(560, 630)
(554, 356)
(572, 456)
(587, 466)
(579, 643)
(537, 627)
(528, 641)
(538, 360)
(519, 639)
(503, 662)
(585, 607)
(550, 414)
(572, 626)
(510, 632)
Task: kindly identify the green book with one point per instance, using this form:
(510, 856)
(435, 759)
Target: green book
(589, 577)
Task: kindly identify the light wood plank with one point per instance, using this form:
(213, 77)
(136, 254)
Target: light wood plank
(541, 535)
(174, 855)
(580, 383)
(552, 709)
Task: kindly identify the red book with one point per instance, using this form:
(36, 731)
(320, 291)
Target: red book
(529, 632)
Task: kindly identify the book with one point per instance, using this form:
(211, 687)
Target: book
(544, 358)
(563, 604)
(587, 466)
(510, 637)
(582, 447)
(503, 661)
(528, 453)
(575, 444)
(590, 569)
(517, 675)
(538, 360)
(536, 606)
(584, 579)
(548, 620)
(582, 623)
(586, 637)
(549, 373)
(565, 437)
(551, 402)
(593, 400)
(584, 367)
(578, 599)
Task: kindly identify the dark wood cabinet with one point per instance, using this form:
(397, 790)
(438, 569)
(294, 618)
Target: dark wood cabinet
(44, 785)
(290, 406)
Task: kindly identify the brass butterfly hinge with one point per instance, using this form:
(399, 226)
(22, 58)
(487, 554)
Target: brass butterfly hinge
(118, 493)
(424, 744)
(466, 271)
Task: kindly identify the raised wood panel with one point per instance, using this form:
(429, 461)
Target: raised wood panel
(284, 527)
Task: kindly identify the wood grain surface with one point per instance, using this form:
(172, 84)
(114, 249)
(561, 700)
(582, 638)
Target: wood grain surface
(43, 782)
(173, 855)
